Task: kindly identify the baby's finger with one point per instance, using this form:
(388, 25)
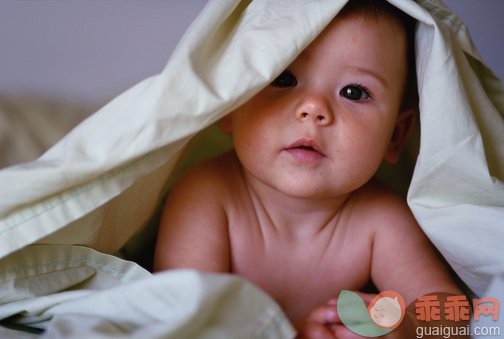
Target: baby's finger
(341, 332)
(311, 330)
(333, 302)
(326, 314)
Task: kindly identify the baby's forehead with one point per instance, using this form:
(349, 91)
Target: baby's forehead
(390, 21)
(357, 27)
(374, 10)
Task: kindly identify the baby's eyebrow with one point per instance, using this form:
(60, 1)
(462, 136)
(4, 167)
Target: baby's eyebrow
(367, 71)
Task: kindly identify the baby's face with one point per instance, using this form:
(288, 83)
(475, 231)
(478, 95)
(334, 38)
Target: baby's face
(323, 126)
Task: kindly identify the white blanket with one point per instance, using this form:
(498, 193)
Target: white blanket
(76, 292)
(104, 181)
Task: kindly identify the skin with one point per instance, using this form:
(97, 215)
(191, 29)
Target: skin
(301, 223)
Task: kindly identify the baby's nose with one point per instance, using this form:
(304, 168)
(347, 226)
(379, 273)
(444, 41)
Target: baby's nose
(314, 109)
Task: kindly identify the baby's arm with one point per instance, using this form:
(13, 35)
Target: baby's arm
(405, 261)
(403, 258)
(193, 229)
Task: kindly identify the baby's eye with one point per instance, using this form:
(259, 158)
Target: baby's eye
(285, 79)
(355, 92)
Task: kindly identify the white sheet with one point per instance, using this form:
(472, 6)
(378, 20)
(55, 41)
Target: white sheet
(104, 180)
(76, 292)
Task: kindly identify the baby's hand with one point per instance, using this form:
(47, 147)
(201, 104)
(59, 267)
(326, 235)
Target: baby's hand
(323, 322)
(319, 323)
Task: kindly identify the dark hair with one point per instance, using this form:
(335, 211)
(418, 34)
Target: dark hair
(383, 9)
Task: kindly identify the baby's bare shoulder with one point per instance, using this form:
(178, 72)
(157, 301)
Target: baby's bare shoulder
(378, 204)
(213, 176)
(193, 228)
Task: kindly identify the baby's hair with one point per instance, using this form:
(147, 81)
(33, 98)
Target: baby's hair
(383, 9)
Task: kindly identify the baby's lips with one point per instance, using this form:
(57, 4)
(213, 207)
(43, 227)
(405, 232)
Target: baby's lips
(306, 143)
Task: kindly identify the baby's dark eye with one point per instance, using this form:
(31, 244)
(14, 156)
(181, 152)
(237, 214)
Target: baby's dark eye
(355, 92)
(285, 79)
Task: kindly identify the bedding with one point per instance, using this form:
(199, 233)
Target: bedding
(96, 295)
(100, 186)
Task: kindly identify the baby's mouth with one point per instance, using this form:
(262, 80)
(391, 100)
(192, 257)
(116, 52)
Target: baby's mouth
(306, 150)
(306, 145)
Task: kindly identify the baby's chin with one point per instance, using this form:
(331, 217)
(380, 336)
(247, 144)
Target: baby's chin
(311, 186)
(310, 192)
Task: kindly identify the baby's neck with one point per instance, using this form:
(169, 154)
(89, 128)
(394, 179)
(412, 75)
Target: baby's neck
(297, 216)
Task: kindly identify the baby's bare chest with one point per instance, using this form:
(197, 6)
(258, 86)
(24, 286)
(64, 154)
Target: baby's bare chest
(300, 275)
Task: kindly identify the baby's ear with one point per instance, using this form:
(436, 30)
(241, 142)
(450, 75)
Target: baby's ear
(226, 124)
(404, 127)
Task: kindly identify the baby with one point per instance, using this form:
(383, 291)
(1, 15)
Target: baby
(295, 208)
